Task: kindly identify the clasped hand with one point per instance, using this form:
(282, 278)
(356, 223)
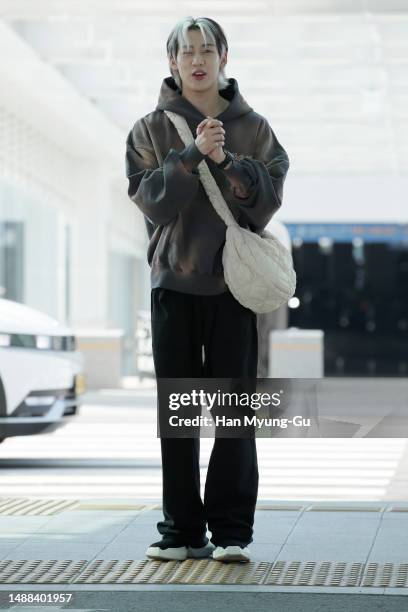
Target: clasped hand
(211, 139)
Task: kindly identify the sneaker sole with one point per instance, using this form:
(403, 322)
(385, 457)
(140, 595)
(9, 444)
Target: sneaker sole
(179, 554)
(233, 553)
(170, 554)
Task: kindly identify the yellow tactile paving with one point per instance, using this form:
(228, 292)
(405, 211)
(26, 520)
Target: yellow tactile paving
(205, 572)
(23, 506)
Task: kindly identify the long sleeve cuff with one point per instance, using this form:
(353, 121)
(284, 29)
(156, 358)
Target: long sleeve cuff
(240, 179)
(191, 156)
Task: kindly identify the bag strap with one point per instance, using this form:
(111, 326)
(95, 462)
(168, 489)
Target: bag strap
(207, 179)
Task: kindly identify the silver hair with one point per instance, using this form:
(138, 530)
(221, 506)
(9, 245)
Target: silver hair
(211, 32)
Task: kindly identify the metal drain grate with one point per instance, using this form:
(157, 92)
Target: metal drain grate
(22, 506)
(205, 571)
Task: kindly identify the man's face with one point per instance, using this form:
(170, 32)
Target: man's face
(196, 56)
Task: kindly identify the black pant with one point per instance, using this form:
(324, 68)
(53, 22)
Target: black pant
(181, 324)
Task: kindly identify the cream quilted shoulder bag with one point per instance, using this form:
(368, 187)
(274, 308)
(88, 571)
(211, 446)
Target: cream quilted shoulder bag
(258, 269)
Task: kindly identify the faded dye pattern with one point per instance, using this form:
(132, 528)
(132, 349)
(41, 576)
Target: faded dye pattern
(186, 234)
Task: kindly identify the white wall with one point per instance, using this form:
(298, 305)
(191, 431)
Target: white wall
(56, 148)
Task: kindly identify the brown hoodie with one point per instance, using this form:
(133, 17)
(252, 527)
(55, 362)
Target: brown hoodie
(186, 234)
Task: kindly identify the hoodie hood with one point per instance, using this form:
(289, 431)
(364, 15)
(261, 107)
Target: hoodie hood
(170, 99)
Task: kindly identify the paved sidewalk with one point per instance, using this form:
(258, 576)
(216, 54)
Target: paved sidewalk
(95, 549)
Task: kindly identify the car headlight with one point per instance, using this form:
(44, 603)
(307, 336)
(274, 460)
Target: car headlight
(40, 342)
(43, 342)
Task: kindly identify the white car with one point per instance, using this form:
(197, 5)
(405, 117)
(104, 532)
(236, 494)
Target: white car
(41, 372)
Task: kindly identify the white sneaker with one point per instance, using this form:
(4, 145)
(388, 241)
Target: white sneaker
(165, 552)
(231, 553)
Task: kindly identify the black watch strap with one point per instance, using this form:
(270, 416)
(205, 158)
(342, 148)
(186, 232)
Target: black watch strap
(228, 158)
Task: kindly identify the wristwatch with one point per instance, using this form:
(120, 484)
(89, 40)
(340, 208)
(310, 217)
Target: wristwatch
(228, 158)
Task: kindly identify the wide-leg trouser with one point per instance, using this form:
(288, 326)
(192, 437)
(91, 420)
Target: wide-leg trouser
(182, 324)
